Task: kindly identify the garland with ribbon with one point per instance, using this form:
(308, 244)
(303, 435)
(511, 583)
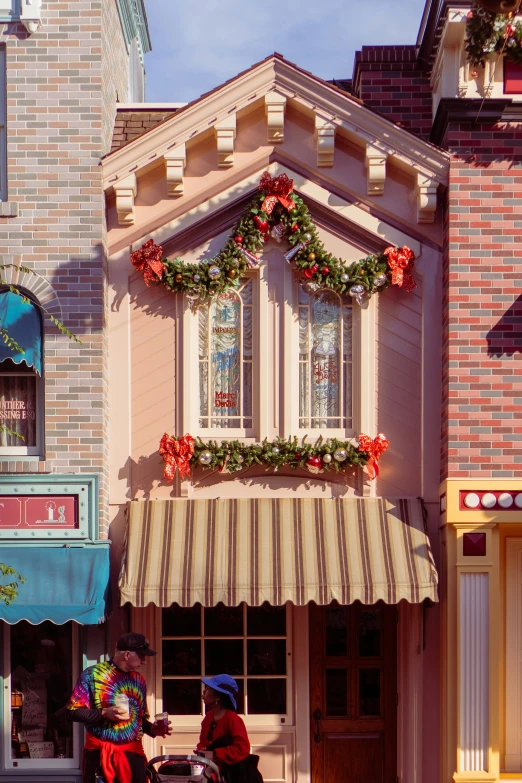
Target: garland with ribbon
(487, 32)
(231, 456)
(276, 212)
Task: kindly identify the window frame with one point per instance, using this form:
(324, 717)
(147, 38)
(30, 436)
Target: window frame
(191, 402)
(37, 765)
(193, 722)
(3, 118)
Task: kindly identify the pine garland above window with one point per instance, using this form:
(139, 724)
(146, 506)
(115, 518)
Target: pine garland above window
(277, 212)
(488, 33)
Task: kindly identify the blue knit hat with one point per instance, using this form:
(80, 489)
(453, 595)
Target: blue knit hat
(223, 683)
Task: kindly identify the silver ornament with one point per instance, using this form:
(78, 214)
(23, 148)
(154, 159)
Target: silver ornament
(380, 280)
(275, 450)
(344, 277)
(327, 458)
(340, 455)
(308, 237)
(214, 272)
(240, 458)
(278, 232)
(234, 262)
(205, 458)
(197, 278)
(357, 290)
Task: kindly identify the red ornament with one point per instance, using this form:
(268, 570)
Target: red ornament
(262, 225)
(238, 240)
(325, 271)
(314, 268)
(295, 228)
(266, 237)
(314, 464)
(469, 15)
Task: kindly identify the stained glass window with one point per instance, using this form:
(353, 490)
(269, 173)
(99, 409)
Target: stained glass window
(225, 361)
(325, 361)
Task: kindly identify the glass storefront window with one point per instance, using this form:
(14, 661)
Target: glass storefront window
(41, 662)
(249, 643)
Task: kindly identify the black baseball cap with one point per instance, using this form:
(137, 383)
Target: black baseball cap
(134, 642)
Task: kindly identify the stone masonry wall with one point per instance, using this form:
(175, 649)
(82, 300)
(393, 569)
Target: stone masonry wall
(54, 139)
(389, 80)
(115, 70)
(482, 376)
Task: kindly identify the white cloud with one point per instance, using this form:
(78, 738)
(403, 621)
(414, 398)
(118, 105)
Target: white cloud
(199, 44)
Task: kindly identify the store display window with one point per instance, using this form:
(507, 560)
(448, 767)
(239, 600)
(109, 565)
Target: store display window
(40, 662)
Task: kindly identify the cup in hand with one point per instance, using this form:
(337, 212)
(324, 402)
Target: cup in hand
(122, 701)
(162, 722)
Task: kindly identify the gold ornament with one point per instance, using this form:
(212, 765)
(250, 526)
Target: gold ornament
(311, 256)
(232, 273)
(178, 278)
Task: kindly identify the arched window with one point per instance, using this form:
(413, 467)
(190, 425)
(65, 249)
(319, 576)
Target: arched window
(225, 361)
(20, 375)
(325, 360)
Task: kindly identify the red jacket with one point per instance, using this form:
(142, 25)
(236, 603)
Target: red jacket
(231, 724)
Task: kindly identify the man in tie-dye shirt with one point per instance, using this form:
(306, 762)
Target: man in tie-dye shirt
(114, 736)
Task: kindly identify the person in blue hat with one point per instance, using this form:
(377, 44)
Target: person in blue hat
(222, 730)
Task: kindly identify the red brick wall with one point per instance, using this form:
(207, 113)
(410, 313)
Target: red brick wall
(389, 80)
(482, 373)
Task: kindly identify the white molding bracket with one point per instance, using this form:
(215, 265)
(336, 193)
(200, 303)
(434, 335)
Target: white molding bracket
(126, 190)
(31, 15)
(426, 198)
(225, 136)
(324, 141)
(175, 162)
(376, 170)
(275, 106)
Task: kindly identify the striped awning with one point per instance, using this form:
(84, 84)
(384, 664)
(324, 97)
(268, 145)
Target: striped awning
(298, 550)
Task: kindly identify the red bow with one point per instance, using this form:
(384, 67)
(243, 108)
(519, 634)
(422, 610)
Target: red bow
(374, 448)
(176, 453)
(277, 189)
(400, 260)
(148, 260)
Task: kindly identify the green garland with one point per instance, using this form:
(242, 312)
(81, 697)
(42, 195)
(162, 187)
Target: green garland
(231, 456)
(487, 33)
(211, 277)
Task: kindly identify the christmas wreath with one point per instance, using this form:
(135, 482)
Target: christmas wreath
(279, 213)
(232, 456)
(487, 32)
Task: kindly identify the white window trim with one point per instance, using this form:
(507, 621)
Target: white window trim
(3, 120)
(191, 375)
(513, 722)
(37, 765)
(291, 364)
(30, 451)
(193, 722)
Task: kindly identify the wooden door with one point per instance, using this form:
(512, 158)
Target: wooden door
(353, 693)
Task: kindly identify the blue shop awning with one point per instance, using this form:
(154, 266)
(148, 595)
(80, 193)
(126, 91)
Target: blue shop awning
(22, 321)
(62, 584)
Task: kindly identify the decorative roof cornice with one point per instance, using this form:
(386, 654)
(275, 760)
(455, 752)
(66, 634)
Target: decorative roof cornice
(473, 111)
(134, 23)
(307, 93)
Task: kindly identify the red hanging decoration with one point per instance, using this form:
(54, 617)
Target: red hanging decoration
(148, 260)
(176, 453)
(277, 189)
(401, 260)
(374, 448)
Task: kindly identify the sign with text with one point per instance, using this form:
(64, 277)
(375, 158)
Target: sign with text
(31, 735)
(34, 707)
(41, 750)
(55, 511)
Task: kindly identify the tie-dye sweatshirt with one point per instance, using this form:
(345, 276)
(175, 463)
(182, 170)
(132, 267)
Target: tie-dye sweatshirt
(97, 687)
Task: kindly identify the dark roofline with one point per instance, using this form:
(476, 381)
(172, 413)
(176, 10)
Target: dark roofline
(431, 26)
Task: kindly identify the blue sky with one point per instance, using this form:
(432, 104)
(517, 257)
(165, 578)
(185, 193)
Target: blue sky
(199, 44)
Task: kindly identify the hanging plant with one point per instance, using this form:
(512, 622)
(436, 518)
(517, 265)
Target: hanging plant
(277, 213)
(232, 456)
(487, 33)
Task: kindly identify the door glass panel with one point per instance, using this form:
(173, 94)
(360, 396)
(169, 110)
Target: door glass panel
(181, 657)
(266, 697)
(370, 632)
(182, 697)
(266, 656)
(224, 620)
(224, 656)
(369, 692)
(336, 696)
(336, 624)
